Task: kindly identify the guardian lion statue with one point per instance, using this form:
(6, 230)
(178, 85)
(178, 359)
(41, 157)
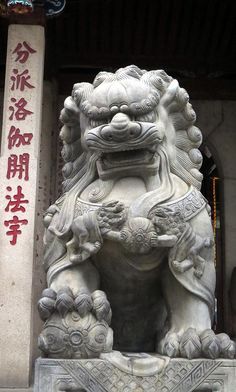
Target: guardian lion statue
(129, 248)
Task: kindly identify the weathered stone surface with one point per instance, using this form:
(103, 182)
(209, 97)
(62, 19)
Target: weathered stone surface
(30, 389)
(131, 235)
(19, 172)
(97, 375)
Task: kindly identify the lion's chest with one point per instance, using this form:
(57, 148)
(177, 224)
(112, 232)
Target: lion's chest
(124, 189)
(133, 251)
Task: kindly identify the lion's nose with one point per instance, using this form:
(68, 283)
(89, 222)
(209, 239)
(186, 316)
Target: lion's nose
(121, 128)
(120, 121)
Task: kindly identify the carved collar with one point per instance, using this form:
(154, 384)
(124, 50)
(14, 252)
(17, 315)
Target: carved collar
(189, 204)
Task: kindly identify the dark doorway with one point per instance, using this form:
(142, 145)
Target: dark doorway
(211, 189)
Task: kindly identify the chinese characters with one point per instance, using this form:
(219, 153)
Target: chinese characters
(22, 51)
(18, 141)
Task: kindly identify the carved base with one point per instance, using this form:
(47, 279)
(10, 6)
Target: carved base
(135, 372)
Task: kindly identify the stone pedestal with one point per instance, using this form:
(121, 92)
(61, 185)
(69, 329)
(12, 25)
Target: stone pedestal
(116, 374)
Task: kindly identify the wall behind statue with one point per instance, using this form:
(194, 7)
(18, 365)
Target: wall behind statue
(217, 121)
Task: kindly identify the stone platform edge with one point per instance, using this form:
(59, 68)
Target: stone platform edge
(99, 375)
(30, 389)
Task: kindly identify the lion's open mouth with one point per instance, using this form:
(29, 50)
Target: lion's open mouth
(131, 157)
(139, 161)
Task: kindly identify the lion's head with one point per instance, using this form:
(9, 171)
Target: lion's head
(116, 126)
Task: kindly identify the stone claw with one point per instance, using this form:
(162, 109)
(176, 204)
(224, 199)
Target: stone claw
(169, 345)
(210, 344)
(83, 302)
(101, 306)
(227, 346)
(65, 301)
(190, 344)
(46, 304)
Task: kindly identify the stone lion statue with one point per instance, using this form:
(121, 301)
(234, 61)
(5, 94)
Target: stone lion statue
(129, 250)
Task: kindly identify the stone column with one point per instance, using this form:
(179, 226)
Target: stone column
(19, 168)
(45, 196)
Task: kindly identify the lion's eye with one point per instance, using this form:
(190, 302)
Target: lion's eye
(148, 117)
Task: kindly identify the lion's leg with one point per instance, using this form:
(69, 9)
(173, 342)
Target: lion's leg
(76, 277)
(189, 318)
(187, 313)
(65, 286)
(185, 309)
(81, 283)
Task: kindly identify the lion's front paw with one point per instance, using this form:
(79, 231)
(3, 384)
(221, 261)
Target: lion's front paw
(76, 326)
(84, 303)
(190, 344)
(215, 346)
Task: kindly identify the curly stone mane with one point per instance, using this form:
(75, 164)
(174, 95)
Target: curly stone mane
(181, 141)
